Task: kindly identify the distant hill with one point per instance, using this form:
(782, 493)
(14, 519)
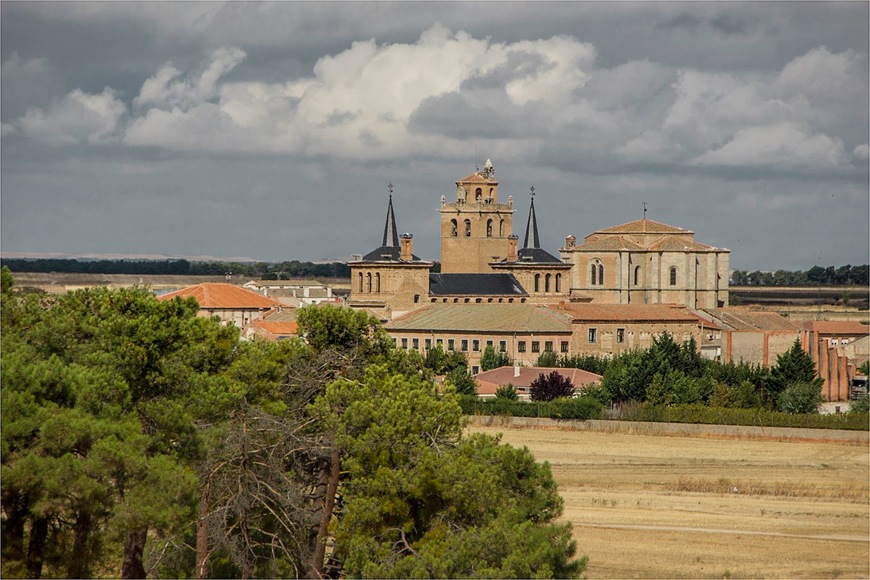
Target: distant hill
(129, 257)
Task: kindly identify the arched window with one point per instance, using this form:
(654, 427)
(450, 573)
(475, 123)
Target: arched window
(600, 274)
(488, 228)
(368, 282)
(537, 282)
(360, 282)
(637, 275)
(467, 228)
(501, 228)
(478, 194)
(594, 271)
(547, 283)
(453, 228)
(378, 282)
(558, 282)
(673, 276)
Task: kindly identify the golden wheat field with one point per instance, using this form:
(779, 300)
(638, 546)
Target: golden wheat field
(685, 507)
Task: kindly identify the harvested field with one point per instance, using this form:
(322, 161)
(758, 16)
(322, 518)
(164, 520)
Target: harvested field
(646, 506)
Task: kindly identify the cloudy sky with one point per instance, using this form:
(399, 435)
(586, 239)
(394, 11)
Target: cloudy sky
(271, 130)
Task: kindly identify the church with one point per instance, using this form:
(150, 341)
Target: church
(641, 262)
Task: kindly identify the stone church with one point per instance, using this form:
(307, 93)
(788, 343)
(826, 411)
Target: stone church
(641, 262)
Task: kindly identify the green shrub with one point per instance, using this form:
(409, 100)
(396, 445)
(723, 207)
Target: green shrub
(583, 408)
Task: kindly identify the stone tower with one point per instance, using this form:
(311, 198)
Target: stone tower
(475, 228)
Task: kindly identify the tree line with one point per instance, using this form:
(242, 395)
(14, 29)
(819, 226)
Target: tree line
(141, 439)
(847, 275)
(259, 270)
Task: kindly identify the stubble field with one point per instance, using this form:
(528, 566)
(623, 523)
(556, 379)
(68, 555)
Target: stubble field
(685, 507)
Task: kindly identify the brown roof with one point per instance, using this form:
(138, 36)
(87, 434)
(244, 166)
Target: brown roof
(482, 318)
(477, 178)
(610, 243)
(624, 312)
(678, 244)
(277, 328)
(838, 327)
(216, 295)
(742, 319)
(644, 226)
(489, 381)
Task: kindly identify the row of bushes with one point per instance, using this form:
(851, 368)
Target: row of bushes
(577, 408)
(727, 416)
(584, 408)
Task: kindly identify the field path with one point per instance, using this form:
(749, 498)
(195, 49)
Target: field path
(835, 537)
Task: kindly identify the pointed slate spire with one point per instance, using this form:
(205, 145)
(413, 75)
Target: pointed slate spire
(532, 225)
(391, 235)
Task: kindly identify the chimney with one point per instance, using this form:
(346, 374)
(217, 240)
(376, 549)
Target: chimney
(405, 244)
(512, 248)
(516, 370)
(570, 241)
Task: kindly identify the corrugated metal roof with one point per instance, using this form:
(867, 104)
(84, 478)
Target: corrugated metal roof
(483, 318)
(625, 312)
(216, 295)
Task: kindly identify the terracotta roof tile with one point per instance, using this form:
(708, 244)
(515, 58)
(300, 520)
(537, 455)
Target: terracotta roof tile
(610, 243)
(489, 381)
(477, 178)
(216, 295)
(277, 328)
(679, 244)
(644, 226)
(742, 319)
(483, 318)
(837, 327)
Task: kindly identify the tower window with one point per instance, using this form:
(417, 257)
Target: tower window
(537, 282)
(453, 227)
(360, 282)
(637, 275)
(488, 228)
(600, 274)
(547, 283)
(467, 228)
(673, 276)
(478, 194)
(594, 272)
(558, 282)
(501, 228)
(377, 282)
(368, 282)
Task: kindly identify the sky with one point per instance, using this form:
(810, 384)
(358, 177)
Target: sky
(271, 130)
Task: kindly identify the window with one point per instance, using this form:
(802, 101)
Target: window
(405, 343)
(368, 282)
(360, 282)
(377, 282)
(488, 228)
(548, 346)
(593, 335)
(501, 228)
(564, 346)
(620, 335)
(439, 342)
(475, 345)
(453, 227)
(428, 343)
(536, 346)
(594, 274)
(489, 343)
(521, 346)
(478, 194)
(558, 282)
(451, 344)
(547, 283)
(475, 369)
(464, 344)
(673, 276)
(637, 275)
(537, 282)
(415, 342)
(600, 274)
(467, 228)
(502, 346)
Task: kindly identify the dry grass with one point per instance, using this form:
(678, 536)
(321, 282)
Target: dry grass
(684, 507)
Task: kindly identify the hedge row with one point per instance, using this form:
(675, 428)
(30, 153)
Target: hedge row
(725, 416)
(579, 408)
(588, 408)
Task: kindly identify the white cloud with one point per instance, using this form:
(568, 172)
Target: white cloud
(782, 145)
(77, 118)
(862, 152)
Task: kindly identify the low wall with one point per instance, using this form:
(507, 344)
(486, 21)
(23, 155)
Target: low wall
(675, 429)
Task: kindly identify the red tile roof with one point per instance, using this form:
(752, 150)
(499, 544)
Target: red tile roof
(838, 327)
(489, 381)
(477, 178)
(228, 296)
(644, 226)
(277, 328)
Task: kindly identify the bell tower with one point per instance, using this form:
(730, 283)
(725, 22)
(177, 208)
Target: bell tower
(475, 227)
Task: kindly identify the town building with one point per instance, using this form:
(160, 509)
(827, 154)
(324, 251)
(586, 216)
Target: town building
(521, 378)
(295, 293)
(231, 304)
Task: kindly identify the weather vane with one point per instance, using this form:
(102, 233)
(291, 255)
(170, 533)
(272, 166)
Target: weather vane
(390, 188)
(532, 191)
(644, 210)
